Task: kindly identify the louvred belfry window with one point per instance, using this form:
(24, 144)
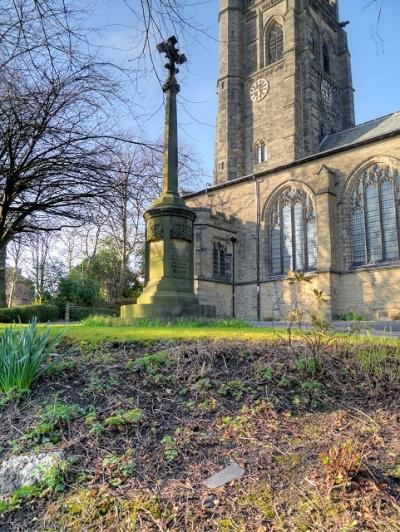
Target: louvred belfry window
(292, 233)
(274, 44)
(375, 216)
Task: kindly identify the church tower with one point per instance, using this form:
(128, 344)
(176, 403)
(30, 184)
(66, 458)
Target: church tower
(284, 83)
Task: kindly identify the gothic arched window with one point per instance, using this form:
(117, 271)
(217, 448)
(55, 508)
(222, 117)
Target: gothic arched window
(292, 233)
(326, 58)
(221, 262)
(375, 217)
(274, 44)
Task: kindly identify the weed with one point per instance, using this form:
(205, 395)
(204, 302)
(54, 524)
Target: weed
(396, 473)
(234, 425)
(53, 481)
(124, 417)
(100, 509)
(352, 315)
(307, 365)
(233, 389)
(101, 321)
(119, 467)
(379, 363)
(170, 448)
(202, 386)
(266, 374)
(209, 405)
(259, 498)
(24, 356)
(52, 420)
(341, 464)
(228, 525)
(150, 364)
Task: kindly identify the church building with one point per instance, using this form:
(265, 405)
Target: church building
(297, 186)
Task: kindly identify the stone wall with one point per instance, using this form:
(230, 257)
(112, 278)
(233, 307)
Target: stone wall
(328, 178)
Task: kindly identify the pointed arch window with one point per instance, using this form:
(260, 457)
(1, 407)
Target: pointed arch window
(292, 235)
(375, 216)
(221, 262)
(274, 44)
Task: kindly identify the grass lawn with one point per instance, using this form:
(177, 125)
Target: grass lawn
(223, 330)
(145, 414)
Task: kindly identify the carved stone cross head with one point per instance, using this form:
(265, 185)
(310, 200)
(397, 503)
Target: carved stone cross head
(174, 57)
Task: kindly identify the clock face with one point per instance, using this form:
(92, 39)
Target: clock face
(326, 91)
(259, 90)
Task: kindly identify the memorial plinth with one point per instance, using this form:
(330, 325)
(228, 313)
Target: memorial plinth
(169, 275)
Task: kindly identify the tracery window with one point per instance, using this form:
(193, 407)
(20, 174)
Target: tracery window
(274, 44)
(375, 219)
(292, 233)
(260, 152)
(221, 262)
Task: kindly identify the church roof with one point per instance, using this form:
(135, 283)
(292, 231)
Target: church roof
(366, 131)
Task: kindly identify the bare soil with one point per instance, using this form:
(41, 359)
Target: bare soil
(318, 438)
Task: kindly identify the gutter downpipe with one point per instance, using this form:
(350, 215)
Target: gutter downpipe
(233, 240)
(257, 197)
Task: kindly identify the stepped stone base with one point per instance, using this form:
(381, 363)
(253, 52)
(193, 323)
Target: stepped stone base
(160, 309)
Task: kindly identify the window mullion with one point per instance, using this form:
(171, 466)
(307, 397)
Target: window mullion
(383, 243)
(367, 246)
(281, 239)
(293, 225)
(305, 240)
(396, 213)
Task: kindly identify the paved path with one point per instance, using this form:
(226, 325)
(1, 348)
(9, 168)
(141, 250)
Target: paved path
(377, 328)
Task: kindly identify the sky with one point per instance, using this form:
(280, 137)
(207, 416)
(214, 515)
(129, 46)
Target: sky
(374, 45)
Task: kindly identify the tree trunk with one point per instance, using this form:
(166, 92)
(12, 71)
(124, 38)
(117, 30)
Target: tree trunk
(3, 256)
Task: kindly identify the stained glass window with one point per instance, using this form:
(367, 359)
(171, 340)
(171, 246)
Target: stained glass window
(375, 218)
(292, 233)
(274, 44)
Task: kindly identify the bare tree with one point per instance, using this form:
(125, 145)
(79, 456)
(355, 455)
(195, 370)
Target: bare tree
(54, 126)
(57, 103)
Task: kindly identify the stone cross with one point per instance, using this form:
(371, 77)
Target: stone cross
(171, 89)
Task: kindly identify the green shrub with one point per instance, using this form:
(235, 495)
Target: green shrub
(79, 288)
(24, 356)
(25, 313)
(82, 313)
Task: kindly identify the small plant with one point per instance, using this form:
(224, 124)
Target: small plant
(233, 389)
(396, 473)
(53, 418)
(101, 321)
(124, 417)
(24, 356)
(53, 481)
(342, 464)
(352, 315)
(202, 386)
(307, 365)
(119, 467)
(170, 448)
(150, 364)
